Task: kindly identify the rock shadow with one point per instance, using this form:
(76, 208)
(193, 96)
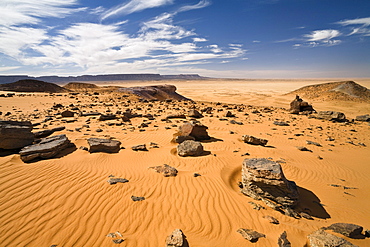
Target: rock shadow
(204, 153)
(311, 204)
(212, 139)
(7, 152)
(185, 242)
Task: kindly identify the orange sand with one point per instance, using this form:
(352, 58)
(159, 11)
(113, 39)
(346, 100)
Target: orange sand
(66, 201)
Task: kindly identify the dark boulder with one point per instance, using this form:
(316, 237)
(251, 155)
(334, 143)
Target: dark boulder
(365, 118)
(47, 148)
(103, 145)
(107, 117)
(194, 129)
(298, 105)
(331, 116)
(67, 113)
(194, 114)
(15, 134)
(190, 148)
(346, 229)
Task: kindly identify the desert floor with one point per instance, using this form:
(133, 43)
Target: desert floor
(66, 201)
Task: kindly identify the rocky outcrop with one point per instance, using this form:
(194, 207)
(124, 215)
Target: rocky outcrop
(321, 238)
(250, 234)
(364, 118)
(254, 140)
(194, 114)
(103, 145)
(15, 134)
(190, 148)
(159, 92)
(47, 148)
(48, 132)
(76, 86)
(264, 180)
(194, 129)
(29, 85)
(298, 105)
(175, 239)
(166, 170)
(346, 229)
(331, 116)
(283, 240)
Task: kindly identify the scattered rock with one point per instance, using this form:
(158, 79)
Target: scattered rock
(15, 134)
(313, 143)
(303, 149)
(141, 147)
(47, 148)
(196, 175)
(364, 118)
(67, 113)
(182, 116)
(263, 179)
(281, 123)
(229, 114)
(103, 145)
(107, 117)
(283, 240)
(232, 121)
(331, 116)
(256, 206)
(298, 105)
(254, 140)
(175, 239)
(250, 235)
(271, 219)
(46, 133)
(166, 170)
(118, 241)
(194, 114)
(321, 238)
(117, 180)
(190, 148)
(194, 129)
(346, 229)
(137, 198)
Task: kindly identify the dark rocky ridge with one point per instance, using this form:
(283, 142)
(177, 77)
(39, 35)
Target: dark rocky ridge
(29, 85)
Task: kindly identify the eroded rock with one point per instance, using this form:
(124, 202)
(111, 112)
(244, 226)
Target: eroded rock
(190, 148)
(15, 134)
(166, 170)
(250, 234)
(103, 145)
(175, 239)
(321, 238)
(346, 229)
(331, 116)
(194, 129)
(298, 105)
(254, 140)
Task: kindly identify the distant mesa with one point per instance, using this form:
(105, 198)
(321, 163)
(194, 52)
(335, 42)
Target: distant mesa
(343, 90)
(34, 86)
(80, 86)
(158, 92)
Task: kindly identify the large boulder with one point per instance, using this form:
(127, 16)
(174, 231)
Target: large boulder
(320, 238)
(46, 148)
(194, 129)
(175, 239)
(346, 229)
(263, 179)
(331, 116)
(298, 105)
(103, 145)
(15, 134)
(189, 148)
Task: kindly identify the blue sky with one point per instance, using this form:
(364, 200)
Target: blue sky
(216, 38)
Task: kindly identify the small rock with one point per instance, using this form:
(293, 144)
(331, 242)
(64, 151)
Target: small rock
(182, 116)
(271, 219)
(196, 175)
(103, 145)
(313, 143)
(117, 180)
(166, 170)
(137, 198)
(107, 117)
(67, 113)
(141, 147)
(283, 240)
(111, 235)
(303, 149)
(194, 114)
(118, 241)
(250, 235)
(254, 140)
(281, 123)
(255, 205)
(175, 239)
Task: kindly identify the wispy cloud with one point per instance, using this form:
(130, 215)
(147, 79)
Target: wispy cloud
(134, 6)
(322, 35)
(16, 12)
(200, 5)
(359, 21)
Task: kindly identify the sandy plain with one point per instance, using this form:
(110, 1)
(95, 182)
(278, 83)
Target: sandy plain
(66, 201)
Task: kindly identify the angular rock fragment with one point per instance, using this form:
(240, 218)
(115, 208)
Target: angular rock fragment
(182, 116)
(250, 235)
(194, 114)
(137, 198)
(229, 114)
(15, 134)
(141, 147)
(118, 241)
(298, 105)
(320, 238)
(280, 123)
(283, 240)
(46, 148)
(103, 145)
(175, 239)
(117, 180)
(194, 129)
(331, 116)
(190, 148)
(166, 170)
(365, 118)
(271, 219)
(304, 149)
(254, 140)
(264, 180)
(346, 229)
(46, 133)
(67, 113)
(107, 117)
(313, 143)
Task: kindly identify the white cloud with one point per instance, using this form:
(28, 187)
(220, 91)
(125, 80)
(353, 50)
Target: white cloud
(359, 21)
(320, 35)
(16, 12)
(201, 4)
(199, 40)
(7, 68)
(134, 6)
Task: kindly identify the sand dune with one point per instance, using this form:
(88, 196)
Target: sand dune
(67, 201)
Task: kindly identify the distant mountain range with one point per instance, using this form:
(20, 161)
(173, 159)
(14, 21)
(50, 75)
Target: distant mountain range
(109, 77)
